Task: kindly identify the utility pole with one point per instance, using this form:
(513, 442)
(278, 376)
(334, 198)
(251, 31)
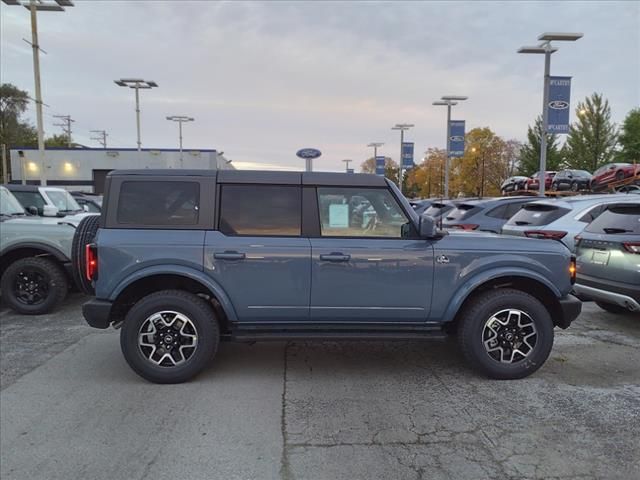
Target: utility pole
(402, 127)
(66, 126)
(137, 84)
(33, 6)
(347, 162)
(101, 137)
(180, 119)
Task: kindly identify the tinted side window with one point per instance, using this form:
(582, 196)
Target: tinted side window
(377, 215)
(30, 199)
(512, 209)
(497, 212)
(592, 214)
(158, 203)
(271, 210)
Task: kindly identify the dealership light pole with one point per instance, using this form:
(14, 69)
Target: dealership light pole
(402, 127)
(43, 6)
(545, 48)
(448, 101)
(137, 84)
(180, 119)
(347, 161)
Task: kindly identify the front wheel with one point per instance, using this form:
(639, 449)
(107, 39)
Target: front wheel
(506, 334)
(574, 186)
(169, 336)
(34, 285)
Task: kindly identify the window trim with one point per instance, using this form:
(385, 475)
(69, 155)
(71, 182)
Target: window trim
(258, 185)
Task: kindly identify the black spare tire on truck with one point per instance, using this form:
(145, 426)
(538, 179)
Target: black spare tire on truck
(85, 234)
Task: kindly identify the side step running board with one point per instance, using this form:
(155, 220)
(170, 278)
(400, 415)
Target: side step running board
(313, 335)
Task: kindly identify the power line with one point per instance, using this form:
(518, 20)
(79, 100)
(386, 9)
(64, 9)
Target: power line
(66, 126)
(101, 137)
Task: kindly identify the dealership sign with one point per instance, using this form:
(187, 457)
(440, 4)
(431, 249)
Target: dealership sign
(558, 105)
(308, 153)
(380, 165)
(456, 138)
(407, 155)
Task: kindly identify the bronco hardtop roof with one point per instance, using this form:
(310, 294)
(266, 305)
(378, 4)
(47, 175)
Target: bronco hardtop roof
(266, 176)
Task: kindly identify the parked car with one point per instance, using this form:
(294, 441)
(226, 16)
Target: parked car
(48, 202)
(419, 206)
(574, 180)
(89, 203)
(439, 208)
(608, 255)
(559, 219)
(513, 184)
(628, 189)
(183, 259)
(35, 257)
(488, 215)
(533, 182)
(613, 172)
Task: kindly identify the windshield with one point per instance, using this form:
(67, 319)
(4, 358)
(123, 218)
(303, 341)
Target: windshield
(9, 205)
(63, 200)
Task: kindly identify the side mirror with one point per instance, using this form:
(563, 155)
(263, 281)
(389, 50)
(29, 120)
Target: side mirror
(32, 210)
(428, 228)
(49, 211)
(85, 207)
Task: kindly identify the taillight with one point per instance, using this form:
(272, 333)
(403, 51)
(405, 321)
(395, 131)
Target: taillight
(572, 269)
(632, 247)
(91, 259)
(465, 226)
(577, 240)
(546, 234)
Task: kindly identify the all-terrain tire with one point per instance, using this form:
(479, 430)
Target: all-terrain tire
(85, 234)
(187, 304)
(481, 309)
(51, 283)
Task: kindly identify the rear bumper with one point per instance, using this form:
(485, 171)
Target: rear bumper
(606, 296)
(570, 308)
(97, 313)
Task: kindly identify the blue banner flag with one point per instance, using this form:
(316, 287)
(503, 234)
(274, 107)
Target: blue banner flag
(349, 170)
(379, 165)
(456, 138)
(558, 106)
(407, 155)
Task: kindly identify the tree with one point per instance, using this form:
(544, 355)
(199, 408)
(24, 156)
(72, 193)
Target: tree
(427, 179)
(530, 152)
(59, 140)
(593, 137)
(390, 168)
(630, 138)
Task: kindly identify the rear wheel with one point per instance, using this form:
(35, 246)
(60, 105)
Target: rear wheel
(574, 186)
(169, 336)
(554, 187)
(34, 285)
(85, 234)
(611, 308)
(506, 334)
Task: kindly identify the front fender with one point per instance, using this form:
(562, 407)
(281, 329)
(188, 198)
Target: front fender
(181, 270)
(474, 281)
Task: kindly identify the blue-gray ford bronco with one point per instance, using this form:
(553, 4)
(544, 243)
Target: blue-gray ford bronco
(184, 259)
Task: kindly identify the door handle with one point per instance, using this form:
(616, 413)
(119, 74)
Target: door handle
(334, 257)
(229, 256)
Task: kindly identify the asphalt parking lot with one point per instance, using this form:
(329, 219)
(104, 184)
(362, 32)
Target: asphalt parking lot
(72, 409)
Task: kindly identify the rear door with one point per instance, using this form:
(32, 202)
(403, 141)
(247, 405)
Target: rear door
(258, 255)
(368, 265)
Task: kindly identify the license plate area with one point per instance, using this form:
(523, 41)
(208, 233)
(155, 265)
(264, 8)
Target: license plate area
(600, 257)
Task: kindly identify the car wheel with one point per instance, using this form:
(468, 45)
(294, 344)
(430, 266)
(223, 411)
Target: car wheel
(554, 187)
(611, 308)
(34, 285)
(506, 334)
(574, 186)
(169, 336)
(85, 234)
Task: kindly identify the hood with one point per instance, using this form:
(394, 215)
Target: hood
(479, 241)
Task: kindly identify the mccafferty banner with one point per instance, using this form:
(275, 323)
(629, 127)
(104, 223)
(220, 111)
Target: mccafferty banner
(380, 165)
(558, 106)
(407, 155)
(456, 138)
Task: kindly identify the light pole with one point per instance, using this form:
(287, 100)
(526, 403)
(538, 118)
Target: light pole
(448, 101)
(545, 48)
(347, 161)
(137, 84)
(402, 127)
(375, 146)
(33, 6)
(180, 119)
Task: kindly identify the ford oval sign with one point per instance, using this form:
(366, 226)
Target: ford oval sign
(457, 138)
(308, 153)
(559, 105)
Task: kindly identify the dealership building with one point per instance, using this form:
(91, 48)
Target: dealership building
(85, 169)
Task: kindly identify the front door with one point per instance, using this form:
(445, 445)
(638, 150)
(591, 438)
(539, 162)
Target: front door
(368, 266)
(258, 255)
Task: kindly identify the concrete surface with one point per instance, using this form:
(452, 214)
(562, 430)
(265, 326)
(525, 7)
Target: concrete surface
(70, 408)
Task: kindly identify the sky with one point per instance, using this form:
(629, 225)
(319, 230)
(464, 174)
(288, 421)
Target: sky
(265, 79)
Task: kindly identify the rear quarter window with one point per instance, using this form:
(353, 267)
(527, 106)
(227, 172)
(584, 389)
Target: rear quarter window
(158, 203)
(537, 215)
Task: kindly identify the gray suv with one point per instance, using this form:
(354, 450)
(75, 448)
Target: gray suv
(183, 259)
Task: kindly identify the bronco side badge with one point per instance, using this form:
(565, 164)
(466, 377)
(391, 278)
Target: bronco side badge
(442, 259)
